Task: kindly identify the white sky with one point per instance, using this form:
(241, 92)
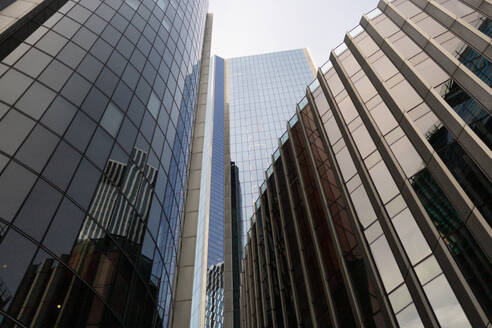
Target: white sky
(248, 27)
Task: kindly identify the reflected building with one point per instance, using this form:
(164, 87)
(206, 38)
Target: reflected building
(375, 209)
(98, 103)
(214, 315)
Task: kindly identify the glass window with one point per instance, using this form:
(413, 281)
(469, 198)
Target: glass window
(33, 62)
(348, 109)
(62, 165)
(12, 85)
(383, 181)
(431, 72)
(37, 211)
(51, 43)
(59, 115)
(383, 118)
(127, 135)
(79, 13)
(35, 101)
(80, 131)
(84, 38)
(95, 104)
(16, 254)
(101, 50)
(411, 237)
(63, 230)
(14, 128)
(15, 183)
(117, 63)
(37, 148)
(407, 156)
(154, 105)
(405, 96)
(386, 264)
(373, 232)
(76, 89)
(111, 120)
(55, 75)
(385, 68)
(100, 147)
(409, 317)
(122, 96)
(427, 270)
(365, 89)
(446, 307)
(66, 27)
(15, 54)
(107, 82)
(406, 46)
(90, 68)
(84, 183)
(363, 141)
(400, 298)
(131, 76)
(363, 206)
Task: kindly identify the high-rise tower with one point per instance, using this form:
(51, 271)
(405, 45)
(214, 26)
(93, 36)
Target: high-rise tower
(97, 104)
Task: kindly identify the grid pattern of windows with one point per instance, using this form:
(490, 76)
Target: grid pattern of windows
(262, 90)
(378, 156)
(97, 103)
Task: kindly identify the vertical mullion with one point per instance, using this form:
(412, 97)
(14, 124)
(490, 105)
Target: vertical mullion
(474, 86)
(317, 247)
(416, 291)
(368, 259)
(268, 259)
(307, 280)
(422, 219)
(277, 256)
(290, 265)
(464, 135)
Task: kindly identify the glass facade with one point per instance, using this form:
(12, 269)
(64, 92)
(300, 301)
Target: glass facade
(374, 206)
(97, 103)
(214, 312)
(216, 219)
(261, 91)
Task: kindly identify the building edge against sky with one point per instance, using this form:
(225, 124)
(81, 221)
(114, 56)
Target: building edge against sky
(375, 211)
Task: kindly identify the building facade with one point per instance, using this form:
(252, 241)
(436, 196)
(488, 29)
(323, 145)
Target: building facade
(214, 317)
(375, 210)
(260, 92)
(97, 105)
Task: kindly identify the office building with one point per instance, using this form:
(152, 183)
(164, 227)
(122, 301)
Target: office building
(375, 211)
(98, 101)
(260, 92)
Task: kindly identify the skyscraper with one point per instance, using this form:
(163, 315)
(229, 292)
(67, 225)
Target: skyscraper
(375, 210)
(260, 91)
(97, 104)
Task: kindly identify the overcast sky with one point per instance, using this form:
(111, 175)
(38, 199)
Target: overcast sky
(248, 27)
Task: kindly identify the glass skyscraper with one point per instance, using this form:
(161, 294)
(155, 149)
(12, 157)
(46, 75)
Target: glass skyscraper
(260, 91)
(97, 104)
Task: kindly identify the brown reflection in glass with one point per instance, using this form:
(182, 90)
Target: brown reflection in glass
(282, 266)
(360, 277)
(319, 297)
(292, 244)
(337, 286)
(112, 254)
(263, 266)
(268, 236)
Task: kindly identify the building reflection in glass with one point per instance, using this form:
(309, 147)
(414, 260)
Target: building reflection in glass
(115, 270)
